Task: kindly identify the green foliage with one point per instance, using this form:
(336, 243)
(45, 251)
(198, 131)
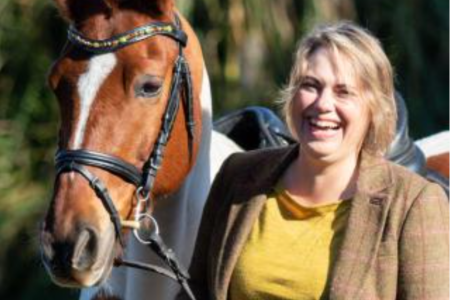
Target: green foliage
(248, 47)
(27, 138)
(415, 35)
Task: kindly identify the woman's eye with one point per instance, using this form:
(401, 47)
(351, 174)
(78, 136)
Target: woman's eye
(148, 88)
(309, 86)
(344, 93)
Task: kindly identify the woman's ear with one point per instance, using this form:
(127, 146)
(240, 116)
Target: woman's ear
(63, 8)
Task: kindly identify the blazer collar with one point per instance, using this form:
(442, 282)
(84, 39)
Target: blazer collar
(364, 232)
(374, 172)
(263, 178)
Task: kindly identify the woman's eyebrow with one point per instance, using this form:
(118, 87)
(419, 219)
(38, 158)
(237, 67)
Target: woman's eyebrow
(345, 86)
(310, 78)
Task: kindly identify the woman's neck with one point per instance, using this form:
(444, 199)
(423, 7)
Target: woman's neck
(314, 182)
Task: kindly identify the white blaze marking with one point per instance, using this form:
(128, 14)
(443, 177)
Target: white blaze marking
(89, 83)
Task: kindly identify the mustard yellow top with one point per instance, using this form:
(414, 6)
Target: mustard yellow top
(290, 250)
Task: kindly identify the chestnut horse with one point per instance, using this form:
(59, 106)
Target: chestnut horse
(132, 88)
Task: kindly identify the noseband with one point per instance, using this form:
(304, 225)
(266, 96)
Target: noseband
(76, 160)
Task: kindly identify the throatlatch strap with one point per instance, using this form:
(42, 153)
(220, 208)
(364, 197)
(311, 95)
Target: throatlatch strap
(189, 106)
(155, 160)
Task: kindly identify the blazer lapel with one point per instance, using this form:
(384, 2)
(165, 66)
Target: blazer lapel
(237, 233)
(248, 197)
(366, 222)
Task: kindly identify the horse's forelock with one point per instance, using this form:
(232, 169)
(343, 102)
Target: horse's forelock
(77, 11)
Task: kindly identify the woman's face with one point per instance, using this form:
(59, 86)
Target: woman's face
(329, 115)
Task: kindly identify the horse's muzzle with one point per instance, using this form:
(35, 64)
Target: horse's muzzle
(82, 261)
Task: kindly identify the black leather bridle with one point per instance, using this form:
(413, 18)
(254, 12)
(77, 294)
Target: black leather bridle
(77, 160)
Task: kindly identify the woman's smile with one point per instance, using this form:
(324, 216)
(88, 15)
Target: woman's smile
(322, 129)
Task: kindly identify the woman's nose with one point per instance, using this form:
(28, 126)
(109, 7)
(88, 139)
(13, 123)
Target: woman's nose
(325, 101)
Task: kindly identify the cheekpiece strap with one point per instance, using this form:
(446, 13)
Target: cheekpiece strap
(126, 38)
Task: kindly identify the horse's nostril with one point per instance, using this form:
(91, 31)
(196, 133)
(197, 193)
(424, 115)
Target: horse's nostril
(46, 247)
(85, 251)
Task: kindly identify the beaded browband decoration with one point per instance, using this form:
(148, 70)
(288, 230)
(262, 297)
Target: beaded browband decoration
(126, 38)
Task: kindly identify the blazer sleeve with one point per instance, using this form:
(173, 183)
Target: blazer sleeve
(424, 247)
(199, 269)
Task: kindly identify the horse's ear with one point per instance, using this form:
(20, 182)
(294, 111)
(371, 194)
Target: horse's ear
(161, 6)
(75, 10)
(63, 7)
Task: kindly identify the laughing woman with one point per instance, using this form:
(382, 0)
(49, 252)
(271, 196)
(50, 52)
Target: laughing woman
(328, 218)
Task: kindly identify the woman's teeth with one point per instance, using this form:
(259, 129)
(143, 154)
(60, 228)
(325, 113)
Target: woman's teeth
(325, 125)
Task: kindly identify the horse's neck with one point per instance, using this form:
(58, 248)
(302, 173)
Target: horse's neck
(178, 217)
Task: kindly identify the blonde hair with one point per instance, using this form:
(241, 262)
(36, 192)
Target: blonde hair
(372, 71)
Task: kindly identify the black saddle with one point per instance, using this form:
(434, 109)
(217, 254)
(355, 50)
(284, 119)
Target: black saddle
(254, 127)
(257, 127)
(403, 151)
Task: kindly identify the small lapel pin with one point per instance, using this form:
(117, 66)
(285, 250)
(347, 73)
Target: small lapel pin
(376, 201)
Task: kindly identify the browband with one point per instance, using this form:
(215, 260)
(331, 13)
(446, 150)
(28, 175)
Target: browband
(126, 38)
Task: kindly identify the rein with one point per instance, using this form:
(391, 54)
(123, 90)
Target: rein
(77, 160)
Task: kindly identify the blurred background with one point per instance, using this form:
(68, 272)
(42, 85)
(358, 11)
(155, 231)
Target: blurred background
(248, 47)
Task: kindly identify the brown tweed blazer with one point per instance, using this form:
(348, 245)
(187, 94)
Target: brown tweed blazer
(396, 245)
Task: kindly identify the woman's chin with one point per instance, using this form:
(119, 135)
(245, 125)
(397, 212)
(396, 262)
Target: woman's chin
(322, 150)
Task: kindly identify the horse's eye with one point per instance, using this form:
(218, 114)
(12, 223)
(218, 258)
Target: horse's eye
(148, 87)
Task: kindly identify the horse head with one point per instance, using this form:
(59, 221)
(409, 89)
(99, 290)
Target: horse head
(127, 66)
